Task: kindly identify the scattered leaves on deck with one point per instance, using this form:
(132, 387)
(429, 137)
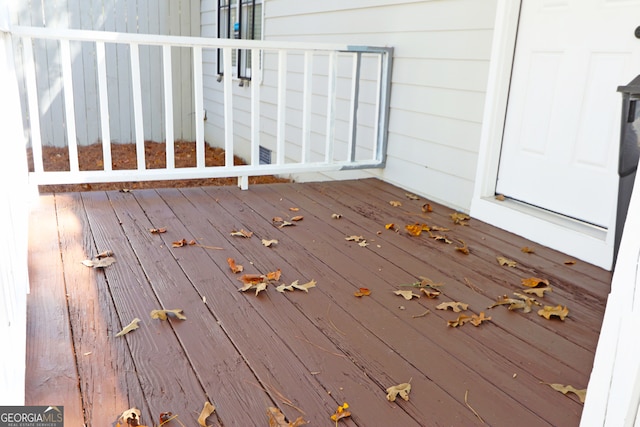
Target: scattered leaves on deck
(395, 203)
(130, 327)
(522, 302)
(130, 417)
(534, 282)
(242, 233)
(430, 293)
(269, 243)
(459, 218)
(236, 268)
(464, 248)
(99, 262)
(164, 314)
(408, 295)
(564, 389)
(527, 250)
(258, 282)
(277, 419)
(362, 292)
(401, 390)
(183, 242)
(341, 413)
(456, 306)
(440, 238)
(416, 229)
(206, 412)
(475, 319)
(558, 311)
(354, 238)
(158, 230)
(506, 261)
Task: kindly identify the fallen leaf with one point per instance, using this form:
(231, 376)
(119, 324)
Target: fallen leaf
(277, 419)
(547, 311)
(539, 292)
(459, 218)
(527, 250)
(158, 230)
(207, 410)
(99, 262)
(260, 287)
(570, 262)
(506, 261)
(269, 243)
(273, 275)
(165, 417)
(527, 299)
(438, 228)
(461, 320)
(395, 203)
(294, 209)
(130, 417)
(179, 243)
(130, 327)
(464, 248)
(297, 218)
(390, 226)
(341, 413)
(163, 314)
(284, 287)
(430, 293)
(456, 306)
(277, 219)
(411, 196)
(477, 319)
(363, 292)
(242, 233)
(406, 294)
(500, 197)
(285, 224)
(336, 216)
(233, 266)
(564, 389)
(363, 244)
(305, 286)
(416, 229)
(426, 208)
(424, 313)
(401, 389)
(440, 238)
(251, 278)
(533, 282)
(353, 238)
(125, 190)
(514, 303)
(104, 254)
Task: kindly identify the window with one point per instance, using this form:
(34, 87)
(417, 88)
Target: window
(240, 19)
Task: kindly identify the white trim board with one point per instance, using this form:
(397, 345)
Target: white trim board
(555, 231)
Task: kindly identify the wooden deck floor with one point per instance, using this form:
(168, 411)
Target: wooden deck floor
(305, 353)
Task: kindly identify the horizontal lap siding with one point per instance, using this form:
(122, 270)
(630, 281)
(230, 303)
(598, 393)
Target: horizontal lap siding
(441, 61)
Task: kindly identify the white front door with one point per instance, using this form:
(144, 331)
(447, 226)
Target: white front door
(560, 142)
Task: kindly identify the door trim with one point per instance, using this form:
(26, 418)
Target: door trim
(579, 240)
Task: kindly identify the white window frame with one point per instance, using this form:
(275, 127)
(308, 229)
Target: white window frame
(227, 29)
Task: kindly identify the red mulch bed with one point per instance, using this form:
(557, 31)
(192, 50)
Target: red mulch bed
(123, 156)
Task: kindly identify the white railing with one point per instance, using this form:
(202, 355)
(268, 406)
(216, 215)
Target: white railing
(329, 104)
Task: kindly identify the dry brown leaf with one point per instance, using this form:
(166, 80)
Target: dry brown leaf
(533, 282)
(285, 224)
(564, 389)
(438, 228)
(464, 248)
(363, 244)
(260, 287)
(570, 262)
(277, 419)
(242, 233)
(459, 218)
(158, 230)
(416, 229)
(354, 238)
(430, 293)
(305, 286)
(277, 219)
(206, 412)
(99, 262)
(284, 287)
(411, 196)
(297, 218)
(456, 306)
(163, 314)
(401, 390)
(406, 294)
(336, 216)
(363, 292)
(179, 243)
(461, 320)
(440, 238)
(104, 254)
(527, 250)
(251, 278)
(233, 266)
(130, 327)
(477, 319)
(294, 209)
(426, 208)
(514, 303)
(341, 413)
(273, 275)
(269, 243)
(500, 197)
(506, 261)
(559, 311)
(539, 292)
(390, 226)
(395, 203)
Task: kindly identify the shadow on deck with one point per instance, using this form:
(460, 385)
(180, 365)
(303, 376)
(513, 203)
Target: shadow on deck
(305, 353)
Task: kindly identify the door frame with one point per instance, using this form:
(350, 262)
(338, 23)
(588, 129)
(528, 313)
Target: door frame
(578, 239)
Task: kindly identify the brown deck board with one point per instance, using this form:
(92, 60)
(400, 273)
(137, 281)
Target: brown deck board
(307, 351)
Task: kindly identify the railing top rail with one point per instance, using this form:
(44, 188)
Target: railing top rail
(186, 41)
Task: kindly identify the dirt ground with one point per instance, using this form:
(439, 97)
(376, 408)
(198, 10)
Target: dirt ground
(124, 157)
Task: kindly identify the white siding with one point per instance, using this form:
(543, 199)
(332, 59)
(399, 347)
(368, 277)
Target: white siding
(441, 62)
